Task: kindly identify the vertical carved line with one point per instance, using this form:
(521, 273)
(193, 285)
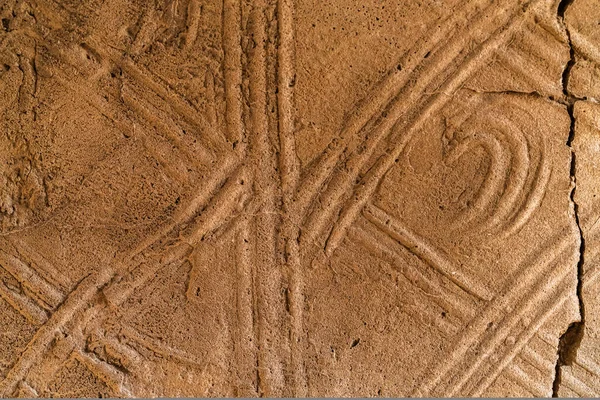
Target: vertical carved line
(286, 80)
(290, 175)
(245, 348)
(268, 274)
(232, 70)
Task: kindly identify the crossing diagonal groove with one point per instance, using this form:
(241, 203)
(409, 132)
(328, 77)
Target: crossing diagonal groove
(290, 198)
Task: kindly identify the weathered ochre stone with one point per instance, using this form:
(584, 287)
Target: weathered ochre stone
(298, 198)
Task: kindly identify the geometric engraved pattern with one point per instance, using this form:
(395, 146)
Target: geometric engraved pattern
(297, 198)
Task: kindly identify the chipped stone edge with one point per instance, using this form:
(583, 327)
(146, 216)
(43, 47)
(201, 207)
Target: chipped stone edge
(570, 340)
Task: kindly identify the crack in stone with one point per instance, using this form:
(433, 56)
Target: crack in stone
(563, 100)
(570, 341)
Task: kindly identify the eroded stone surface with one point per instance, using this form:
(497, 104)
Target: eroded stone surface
(579, 374)
(582, 18)
(288, 198)
(581, 377)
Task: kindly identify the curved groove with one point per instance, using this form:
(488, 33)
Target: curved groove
(534, 200)
(536, 143)
(535, 196)
(512, 186)
(517, 176)
(494, 180)
(390, 99)
(365, 189)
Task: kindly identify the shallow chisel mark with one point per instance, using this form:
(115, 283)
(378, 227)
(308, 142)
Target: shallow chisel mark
(426, 313)
(268, 275)
(245, 348)
(113, 378)
(212, 136)
(538, 264)
(290, 175)
(120, 290)
(39, 263)
(520, 376)
(286, 81)
(194, 10)
(23, 304)
(423, 249)
(369, 183)
(151, 117)
(78, 299)
(536, 296)
(384, 246)
(232, 43)
(279, 179)
(161, 349)
(31, 280)
(517, 63)
(196, 204)
(558, 299)
(386, 93)
(221, 208)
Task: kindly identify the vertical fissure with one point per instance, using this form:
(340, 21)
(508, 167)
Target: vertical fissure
(570, 341)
